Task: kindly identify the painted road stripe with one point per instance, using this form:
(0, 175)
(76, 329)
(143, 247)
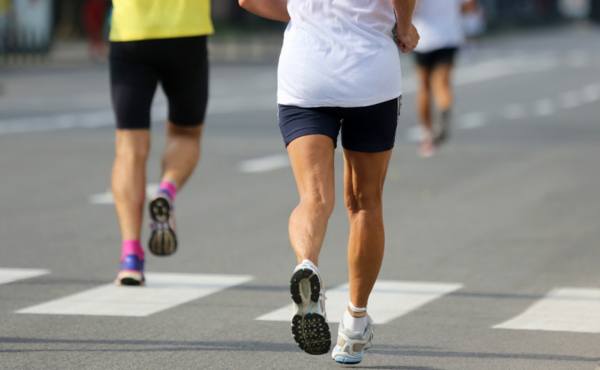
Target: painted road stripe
(10, 275)
(388, 301)
(570, 99)
(414, 134)
(163, 291)
(515, 111)
(563, 309)
(107, 197)
(578, 59)
(465, 75)
(106, 117)
(543, 107)
(265, 164)
(472, 120)
(591, 93)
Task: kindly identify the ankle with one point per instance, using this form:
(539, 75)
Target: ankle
(311, 264)
(132, 247)
(355, 311)
(169, 187)
(352, 322)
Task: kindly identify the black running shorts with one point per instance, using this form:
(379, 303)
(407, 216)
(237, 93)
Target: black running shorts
(179, 64)
(436, 57)
(369, 129)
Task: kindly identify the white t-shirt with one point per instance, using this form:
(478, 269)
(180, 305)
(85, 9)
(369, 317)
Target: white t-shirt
(339, 54)
(439, 23)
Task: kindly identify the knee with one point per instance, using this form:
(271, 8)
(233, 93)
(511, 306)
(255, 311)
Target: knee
(132, 152)
(320, 203)
(358, 202)
(188, 132)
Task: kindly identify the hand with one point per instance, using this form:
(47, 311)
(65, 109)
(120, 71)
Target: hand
(407, 40)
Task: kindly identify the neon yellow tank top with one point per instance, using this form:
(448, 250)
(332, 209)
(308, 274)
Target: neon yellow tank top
(159, 19)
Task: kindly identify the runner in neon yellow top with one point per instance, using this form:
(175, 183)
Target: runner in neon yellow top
(152, 42)
(158, 19)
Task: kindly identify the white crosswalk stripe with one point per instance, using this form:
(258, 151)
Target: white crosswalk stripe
(388, 301)
(563, 309)
(265, 164)
(162, 292)
(9, 275)
(108, 198)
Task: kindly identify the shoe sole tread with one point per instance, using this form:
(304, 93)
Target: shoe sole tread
(163, 240)
(310, 330)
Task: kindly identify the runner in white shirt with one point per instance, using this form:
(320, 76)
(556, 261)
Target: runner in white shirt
(440, 25)
(339, 69)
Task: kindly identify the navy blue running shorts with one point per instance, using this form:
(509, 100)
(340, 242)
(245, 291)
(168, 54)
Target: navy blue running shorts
(179, 64)
(369, 129)
(434, 58)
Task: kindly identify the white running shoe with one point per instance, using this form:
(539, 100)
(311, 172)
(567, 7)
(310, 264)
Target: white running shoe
(351, 345)
(309, 323)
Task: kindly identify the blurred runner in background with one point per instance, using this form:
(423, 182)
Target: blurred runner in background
(4, 31)
(155, 41)
(439, 23)
(94, 16)
(339, 69)
(474, 25)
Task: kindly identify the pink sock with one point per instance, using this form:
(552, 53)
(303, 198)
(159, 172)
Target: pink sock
(169, 187)
(132, 247)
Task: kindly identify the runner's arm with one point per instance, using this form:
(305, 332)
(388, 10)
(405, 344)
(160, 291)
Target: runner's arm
(407, 36)
(271, 9)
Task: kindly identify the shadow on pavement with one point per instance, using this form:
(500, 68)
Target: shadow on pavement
(255, 346)
(393, 350)
(386, 367)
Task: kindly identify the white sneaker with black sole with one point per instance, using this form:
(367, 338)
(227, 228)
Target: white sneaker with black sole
(309, 323)
(352, 345)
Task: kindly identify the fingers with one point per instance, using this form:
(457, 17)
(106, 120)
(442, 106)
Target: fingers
(407, 45)
(409, 41)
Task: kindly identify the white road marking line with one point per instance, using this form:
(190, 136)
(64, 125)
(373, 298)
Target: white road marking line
(514, 112)
(9, 275)
(591, 93)
(570, 99)
(464, 122)
(106, 117)
(265, 164)
(388, 301)
(57, 122)
(490, 70)
(107, 197)
(471, 120)
(414, 134)
(563, 309)
(543, 107)
(498, 68)
(163, 291)
(578, 59)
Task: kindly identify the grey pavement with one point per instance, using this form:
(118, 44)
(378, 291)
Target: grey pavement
(509, 210)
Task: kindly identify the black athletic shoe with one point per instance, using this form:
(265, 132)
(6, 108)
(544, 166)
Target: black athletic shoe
(444, 130)
(309, 324)
(163, 240)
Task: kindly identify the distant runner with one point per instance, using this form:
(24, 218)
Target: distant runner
(440, 25)
(155, 41)
(339, 69)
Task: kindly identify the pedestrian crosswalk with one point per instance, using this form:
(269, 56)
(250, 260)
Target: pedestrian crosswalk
(8, 275)
(388, 301)
(574, 310)
(162, 292)
(564, 309)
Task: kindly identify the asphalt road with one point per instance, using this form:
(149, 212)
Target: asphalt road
(506, 217)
